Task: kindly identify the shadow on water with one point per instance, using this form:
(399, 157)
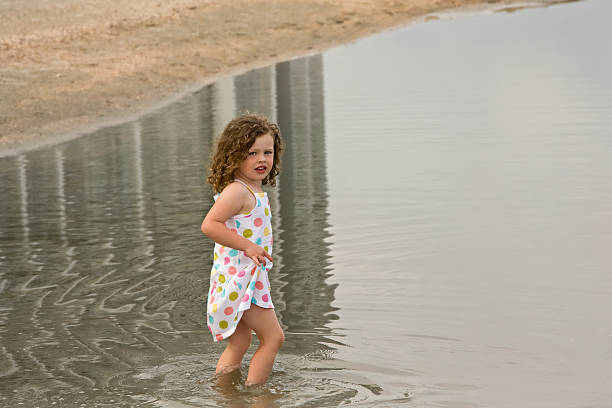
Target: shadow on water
(104, 271)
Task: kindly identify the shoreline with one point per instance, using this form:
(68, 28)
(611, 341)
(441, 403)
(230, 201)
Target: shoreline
(58, 84)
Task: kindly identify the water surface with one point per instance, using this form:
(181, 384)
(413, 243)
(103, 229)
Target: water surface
(443, 218)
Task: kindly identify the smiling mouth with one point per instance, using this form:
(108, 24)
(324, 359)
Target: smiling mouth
(260, 169)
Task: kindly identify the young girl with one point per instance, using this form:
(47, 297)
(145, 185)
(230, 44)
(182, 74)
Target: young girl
(247, 157)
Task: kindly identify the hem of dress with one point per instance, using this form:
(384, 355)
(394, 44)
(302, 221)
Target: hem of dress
(241, 311)
(250, 303)
(231, 331)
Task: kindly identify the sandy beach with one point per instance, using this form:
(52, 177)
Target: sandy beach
(69, 66)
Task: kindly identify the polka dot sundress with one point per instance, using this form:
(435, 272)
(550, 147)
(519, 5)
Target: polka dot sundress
(236, 281)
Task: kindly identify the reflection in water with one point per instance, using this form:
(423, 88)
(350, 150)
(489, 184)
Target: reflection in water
(303, 188)
(104, 270)
(256, 92)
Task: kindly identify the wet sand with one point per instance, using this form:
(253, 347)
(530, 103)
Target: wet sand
(69, 66)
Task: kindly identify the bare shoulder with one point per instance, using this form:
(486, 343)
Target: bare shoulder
(239, 196)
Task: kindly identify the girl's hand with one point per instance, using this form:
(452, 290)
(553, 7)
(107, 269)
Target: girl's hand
(257, 254)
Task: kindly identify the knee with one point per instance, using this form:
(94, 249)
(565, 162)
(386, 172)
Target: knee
(275, 340)
(242, 345)
(281, 339)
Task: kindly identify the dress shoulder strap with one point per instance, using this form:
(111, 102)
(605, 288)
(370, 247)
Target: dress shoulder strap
(247, 186)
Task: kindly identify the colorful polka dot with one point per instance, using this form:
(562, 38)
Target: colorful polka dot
(252, 285)
(219, 289)
(258, 241)
(266, 231)
(259, 285)
(247, 233)
(223, 324)
(245, 298)
(226, 260)
(233, 252)
(222, 278)
(219, 337)
(216, 257)
(233, 296)
(210, 319)
(258, 203)
(266, 249)
(229, 310)
(212, 300)
(267, 212)
(241, 273)
(214, 308)
(237, 224)
(253, 300)
(231, 270)
(258, 222)
(265, 298)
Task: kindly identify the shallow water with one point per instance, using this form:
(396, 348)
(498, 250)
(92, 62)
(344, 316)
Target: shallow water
(443, 221)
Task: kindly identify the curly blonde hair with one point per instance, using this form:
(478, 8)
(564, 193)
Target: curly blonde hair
(233, 147)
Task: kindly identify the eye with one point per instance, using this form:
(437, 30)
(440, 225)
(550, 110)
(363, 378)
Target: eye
(269, 152)
(252, 153)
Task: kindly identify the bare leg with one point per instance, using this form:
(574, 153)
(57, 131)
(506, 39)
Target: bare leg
(239, 343)
(271, 338)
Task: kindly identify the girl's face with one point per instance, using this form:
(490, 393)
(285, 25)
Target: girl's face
(259, 160)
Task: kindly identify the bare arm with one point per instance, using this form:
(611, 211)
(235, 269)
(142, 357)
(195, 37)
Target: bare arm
(232, 201)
